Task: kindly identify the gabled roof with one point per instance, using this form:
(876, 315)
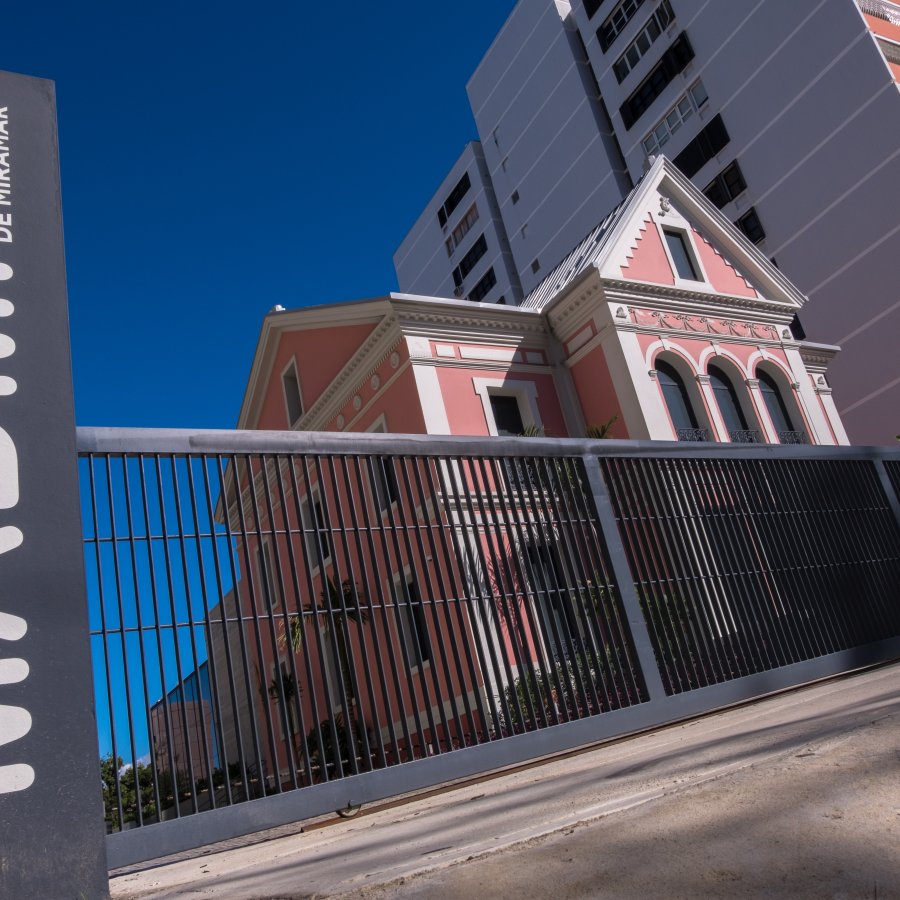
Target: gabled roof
(599, 247)
(579, 259)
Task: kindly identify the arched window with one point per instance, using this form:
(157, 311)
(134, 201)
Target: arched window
(679, 404)
(778, 411)
(730, 407)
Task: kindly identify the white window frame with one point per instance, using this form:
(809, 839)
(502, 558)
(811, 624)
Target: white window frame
(618, 19)
(686, 105)
(688, 240)
(292, 364)
(525, 393)
(644, 32)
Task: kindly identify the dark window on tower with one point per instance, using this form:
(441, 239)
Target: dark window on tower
(591, 7)
(727, 185)
(638, 48)
(670, 65)
(453, 198)
(616, 22)
(475, 252)
(481, 290)
(751, 226)
(703, 147)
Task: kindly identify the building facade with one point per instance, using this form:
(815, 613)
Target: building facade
(787, 116)
(664, 323)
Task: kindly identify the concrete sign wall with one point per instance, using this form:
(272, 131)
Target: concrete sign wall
(51, 820)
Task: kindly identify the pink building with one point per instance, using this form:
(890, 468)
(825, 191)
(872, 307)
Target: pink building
(665, 317)
(665, 320)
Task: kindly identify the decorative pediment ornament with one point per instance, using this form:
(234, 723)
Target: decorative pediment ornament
(357, 403)
(621, 314)
(665, 206)
(703, 379)
(752, 383)
(395, 360)
(341, 421)
(652, 373)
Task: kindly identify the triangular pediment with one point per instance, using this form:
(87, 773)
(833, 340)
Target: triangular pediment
(666, 212)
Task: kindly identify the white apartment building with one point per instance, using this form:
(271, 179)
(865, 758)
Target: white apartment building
(458, 246)
(786, 114)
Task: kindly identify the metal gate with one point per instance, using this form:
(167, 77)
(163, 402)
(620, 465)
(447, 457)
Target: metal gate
(285, 624)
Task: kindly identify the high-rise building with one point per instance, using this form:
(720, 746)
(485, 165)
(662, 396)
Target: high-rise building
(787, 115)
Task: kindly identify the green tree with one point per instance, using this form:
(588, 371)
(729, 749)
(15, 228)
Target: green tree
(111, 770)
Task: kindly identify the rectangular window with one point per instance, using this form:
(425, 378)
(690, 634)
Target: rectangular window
(461, 230)
(751, 226)
(291, 386)
(413, 624)
(591, 7)
(616, 21)
(383, 476)
(470, 260)
(727, 185)
(661, 75)
(684, 265)
(507, 414)
(703, 147)
(317, 537)
(482, 289)
(453, 199)
(637, 49)
(265, 566)
(692, 100)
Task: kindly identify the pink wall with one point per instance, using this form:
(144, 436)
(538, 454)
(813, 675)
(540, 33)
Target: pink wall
(465, 411)
(321, 353)
(648, 259)
(596, 392)
(720, 272)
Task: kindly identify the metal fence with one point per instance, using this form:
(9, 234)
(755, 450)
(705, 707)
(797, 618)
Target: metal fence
(312, 621)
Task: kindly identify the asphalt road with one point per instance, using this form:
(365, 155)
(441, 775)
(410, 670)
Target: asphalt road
(794, 796)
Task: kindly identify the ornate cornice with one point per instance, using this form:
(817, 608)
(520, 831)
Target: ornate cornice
(677, 298)
(817, 354)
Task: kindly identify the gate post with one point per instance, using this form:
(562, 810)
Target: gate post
(625, 580)
(51, 819)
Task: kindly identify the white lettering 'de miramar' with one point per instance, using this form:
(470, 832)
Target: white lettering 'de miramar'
(15, 722)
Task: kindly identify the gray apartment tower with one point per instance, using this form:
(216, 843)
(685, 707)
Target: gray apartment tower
(786, 115)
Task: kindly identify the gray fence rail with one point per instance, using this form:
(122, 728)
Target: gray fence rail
(287, 624)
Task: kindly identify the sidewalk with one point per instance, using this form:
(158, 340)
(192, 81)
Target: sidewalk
(797, 795)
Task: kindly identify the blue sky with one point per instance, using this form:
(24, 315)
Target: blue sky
(218, 159)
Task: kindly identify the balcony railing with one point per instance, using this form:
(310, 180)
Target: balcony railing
(793, 437)
(745, 436)
(692, 434)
